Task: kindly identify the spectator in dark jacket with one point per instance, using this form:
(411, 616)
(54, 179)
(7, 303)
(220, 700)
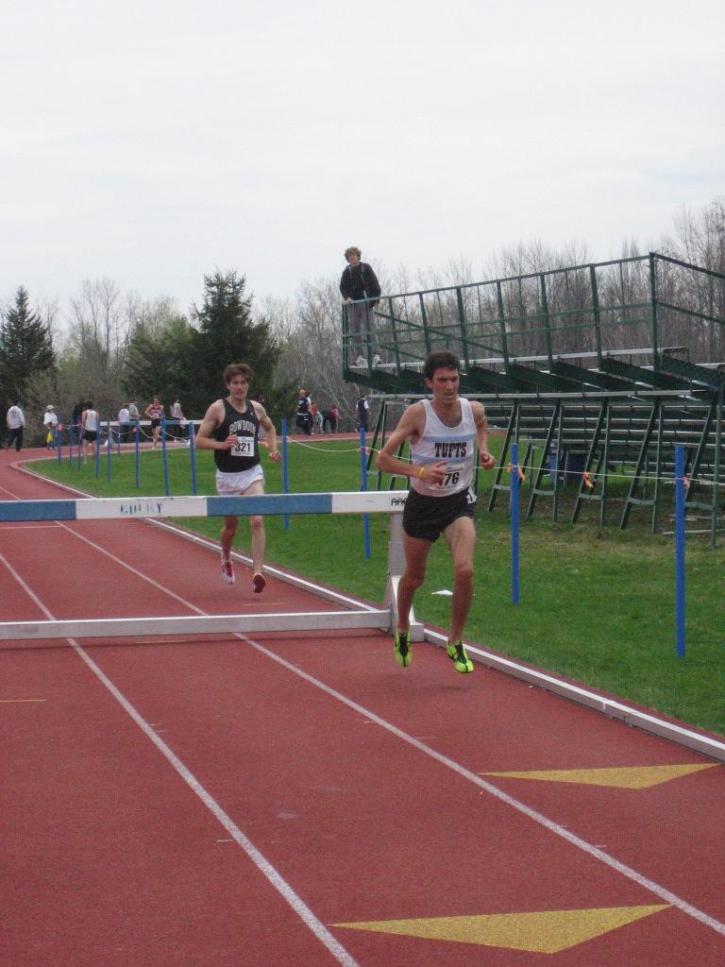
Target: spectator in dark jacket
(304, 412)
(362, 409)
(358, 282)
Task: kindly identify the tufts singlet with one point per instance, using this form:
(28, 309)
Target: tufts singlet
(453, 444)
(245, 426)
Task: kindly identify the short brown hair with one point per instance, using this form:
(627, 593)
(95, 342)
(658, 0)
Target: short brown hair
(442, 359)
(353, 250)
(237, 369)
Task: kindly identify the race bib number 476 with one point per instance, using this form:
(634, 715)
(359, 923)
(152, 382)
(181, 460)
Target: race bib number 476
(244, 447)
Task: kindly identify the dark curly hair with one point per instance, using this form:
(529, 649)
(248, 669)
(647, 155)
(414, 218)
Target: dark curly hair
(441, 359)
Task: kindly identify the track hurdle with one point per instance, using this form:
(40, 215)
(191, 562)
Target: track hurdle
(115, 508)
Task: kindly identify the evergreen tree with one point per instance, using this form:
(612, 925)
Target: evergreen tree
(228, 334)
(155, 361)
(26, 353)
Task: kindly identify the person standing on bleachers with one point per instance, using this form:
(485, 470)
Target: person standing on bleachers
(358, 282)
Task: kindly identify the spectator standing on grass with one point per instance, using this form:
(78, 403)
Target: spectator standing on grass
(15, 420)
(304, 412)
(50, 422)
(75, 421)
(362, 410)
(358, 282)
(124, 421)
(89, 428)
(134, 416)
(177, 414)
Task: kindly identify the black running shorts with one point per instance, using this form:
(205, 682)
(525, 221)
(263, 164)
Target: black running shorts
(427, 517)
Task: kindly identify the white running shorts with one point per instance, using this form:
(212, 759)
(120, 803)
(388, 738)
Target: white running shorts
(237, 484)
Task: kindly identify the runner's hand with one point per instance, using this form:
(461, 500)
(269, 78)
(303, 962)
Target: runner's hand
(434, 473)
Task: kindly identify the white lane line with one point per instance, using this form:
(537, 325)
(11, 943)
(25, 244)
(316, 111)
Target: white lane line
(313, 924)
(488, 787)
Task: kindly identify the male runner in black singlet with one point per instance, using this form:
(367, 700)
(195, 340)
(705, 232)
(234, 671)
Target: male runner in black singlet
(231, 429)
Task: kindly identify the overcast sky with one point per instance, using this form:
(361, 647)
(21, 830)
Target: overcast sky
(154, 142)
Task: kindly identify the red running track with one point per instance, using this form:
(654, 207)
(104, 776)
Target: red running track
(223, 801)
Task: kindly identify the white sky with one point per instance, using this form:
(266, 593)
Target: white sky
(154, 142)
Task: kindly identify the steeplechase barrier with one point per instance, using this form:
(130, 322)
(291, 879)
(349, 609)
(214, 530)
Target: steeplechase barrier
(388, 502)
(135, 508)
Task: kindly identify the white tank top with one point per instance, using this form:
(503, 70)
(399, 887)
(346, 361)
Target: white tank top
(453, 445)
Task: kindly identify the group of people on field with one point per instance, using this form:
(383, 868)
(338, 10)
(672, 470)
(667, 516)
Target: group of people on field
(311, 419)
(85, 422)
(15, 422)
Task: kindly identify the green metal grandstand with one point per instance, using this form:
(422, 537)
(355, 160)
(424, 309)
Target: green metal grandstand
(595, 370)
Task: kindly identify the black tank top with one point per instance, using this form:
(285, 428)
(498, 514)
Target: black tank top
(245, 426)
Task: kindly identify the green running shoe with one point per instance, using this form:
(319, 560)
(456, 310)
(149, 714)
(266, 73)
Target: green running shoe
(457, 654)
(403, 654)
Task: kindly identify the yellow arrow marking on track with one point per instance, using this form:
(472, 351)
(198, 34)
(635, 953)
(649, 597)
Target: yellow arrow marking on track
(545, 933)
(637, 777)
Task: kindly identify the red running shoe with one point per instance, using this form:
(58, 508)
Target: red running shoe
(258, 583)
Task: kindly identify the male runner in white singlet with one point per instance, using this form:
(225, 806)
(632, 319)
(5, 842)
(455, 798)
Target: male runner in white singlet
(443, 433)
(231, 429)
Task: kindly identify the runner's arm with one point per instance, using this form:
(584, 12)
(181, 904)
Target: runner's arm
(409, 427)
(270, 430)
(485, 457)
(212, 419)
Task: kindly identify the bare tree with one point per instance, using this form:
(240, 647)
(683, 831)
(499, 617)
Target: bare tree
(309, 328)
(97, 330)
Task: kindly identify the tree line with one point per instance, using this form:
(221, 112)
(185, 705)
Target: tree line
(120, 350)
(115, 348)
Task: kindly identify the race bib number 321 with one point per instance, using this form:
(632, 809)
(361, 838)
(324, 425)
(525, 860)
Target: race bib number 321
(244, 447)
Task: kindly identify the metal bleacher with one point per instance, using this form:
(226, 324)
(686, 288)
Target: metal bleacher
(597, 371)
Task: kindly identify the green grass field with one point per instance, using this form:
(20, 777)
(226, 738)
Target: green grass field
(597, 605)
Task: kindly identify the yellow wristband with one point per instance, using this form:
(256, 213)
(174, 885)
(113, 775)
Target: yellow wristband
(420, 473)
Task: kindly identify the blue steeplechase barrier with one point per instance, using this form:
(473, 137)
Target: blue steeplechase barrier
(363, 487)
(285, 470)
(680, 602)
(165, 457)
(192, 455)
(514, 515)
